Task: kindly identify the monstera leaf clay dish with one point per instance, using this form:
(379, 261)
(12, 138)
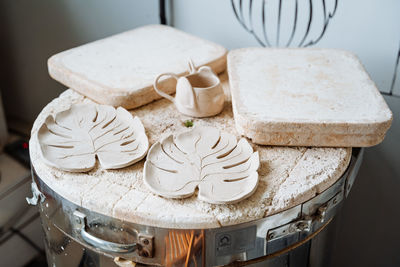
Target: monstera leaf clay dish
(72, 139)
(224, 170)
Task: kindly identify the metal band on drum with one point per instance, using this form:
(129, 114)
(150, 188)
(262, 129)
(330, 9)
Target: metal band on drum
(238, 244)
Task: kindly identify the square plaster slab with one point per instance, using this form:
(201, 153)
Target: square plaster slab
(305, 97)
(120, 70)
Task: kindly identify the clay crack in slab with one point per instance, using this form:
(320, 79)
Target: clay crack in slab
(295, 164)
(116, 202)
(123, 183)
(219, 223)
(89, 190)
(113, 211)
(137, 185)
(140, 203)
(272, 197)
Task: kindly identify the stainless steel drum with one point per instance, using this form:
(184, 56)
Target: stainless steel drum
(299, 236)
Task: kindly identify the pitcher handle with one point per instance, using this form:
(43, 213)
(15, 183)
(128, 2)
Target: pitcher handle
(161, 93)
(208, 68)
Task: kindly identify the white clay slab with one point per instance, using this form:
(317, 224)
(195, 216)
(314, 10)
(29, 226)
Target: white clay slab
(305, 97)
(72, 139)
(224, 170)
(120, 70)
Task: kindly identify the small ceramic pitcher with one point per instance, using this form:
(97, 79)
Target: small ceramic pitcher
(198, 94)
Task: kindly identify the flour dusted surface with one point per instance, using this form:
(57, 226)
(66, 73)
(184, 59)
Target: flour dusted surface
(287, 176)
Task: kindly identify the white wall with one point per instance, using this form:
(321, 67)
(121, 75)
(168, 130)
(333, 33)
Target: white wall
(32, 31)
(370, 28)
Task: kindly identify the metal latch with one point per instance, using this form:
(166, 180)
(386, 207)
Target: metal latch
(320, 215)
(37, 196)
(305, 224)
(290, 228)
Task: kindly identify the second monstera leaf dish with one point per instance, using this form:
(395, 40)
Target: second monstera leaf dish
(223, 170)
(72, 139)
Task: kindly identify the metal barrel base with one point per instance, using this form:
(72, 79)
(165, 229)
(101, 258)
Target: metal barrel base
(299, 236)
(62, 250)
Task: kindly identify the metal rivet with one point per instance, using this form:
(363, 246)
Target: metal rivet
(302, 226)
(271, 235)
(144, 253)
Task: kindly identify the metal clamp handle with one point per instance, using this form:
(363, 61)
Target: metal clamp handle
(98, 242)
(307, 222)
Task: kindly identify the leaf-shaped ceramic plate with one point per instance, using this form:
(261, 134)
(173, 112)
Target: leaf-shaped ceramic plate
(73, 139)
(224, 170)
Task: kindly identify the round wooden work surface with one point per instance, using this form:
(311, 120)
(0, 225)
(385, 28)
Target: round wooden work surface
(288, 176)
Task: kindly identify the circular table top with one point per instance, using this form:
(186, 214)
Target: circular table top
(288, 176)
